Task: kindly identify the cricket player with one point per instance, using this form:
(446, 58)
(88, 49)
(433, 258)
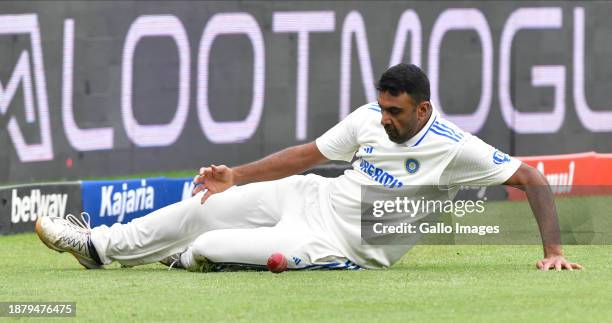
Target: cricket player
(242, 215)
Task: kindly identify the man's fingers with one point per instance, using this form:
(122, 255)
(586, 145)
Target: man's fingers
(198, 188)
(214, 169)
(198, 179)
(219, 170)
(205, 197)
(210, 172)
(557, 263)
(205, 171)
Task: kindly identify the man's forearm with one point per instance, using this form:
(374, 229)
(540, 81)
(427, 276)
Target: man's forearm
(287, 162)
(542, 204)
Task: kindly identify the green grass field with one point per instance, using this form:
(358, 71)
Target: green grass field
(431, 283)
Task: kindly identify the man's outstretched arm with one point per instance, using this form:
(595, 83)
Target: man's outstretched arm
(290, 161)
(542, 204)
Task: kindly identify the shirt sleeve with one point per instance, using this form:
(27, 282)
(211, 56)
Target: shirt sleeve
(340, 142)
(478, 163)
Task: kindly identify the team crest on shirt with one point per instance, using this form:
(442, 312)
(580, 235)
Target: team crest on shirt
(412, 165)
(500, 158)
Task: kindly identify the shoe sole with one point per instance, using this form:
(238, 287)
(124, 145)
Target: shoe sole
(84, 262)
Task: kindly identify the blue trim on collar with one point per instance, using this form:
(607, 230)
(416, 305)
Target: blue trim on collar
(423, 136)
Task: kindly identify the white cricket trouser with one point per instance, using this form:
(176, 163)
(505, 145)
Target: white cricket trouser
(243, 225)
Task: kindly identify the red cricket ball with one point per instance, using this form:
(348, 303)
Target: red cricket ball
(277, 263)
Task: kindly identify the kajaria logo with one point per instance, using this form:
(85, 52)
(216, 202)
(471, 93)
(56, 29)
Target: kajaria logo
(127, 200)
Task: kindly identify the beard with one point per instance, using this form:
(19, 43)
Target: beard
(410, 128)
(394, 134)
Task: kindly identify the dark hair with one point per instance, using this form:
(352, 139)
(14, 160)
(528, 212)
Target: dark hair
(407, 78)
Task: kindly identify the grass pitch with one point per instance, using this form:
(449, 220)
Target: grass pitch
(469, 283)
(431, 283)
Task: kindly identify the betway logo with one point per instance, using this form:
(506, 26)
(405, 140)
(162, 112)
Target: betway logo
(127, 200)
(559, 182)
(29, 207)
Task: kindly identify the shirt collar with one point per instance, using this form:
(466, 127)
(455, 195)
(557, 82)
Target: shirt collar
(416, 139)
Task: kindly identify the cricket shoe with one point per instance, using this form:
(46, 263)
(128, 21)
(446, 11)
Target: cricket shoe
(69, 235)
(173, 261)
(185, 260)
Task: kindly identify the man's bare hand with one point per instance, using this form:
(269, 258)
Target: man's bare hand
(556, 262)
(214, 179)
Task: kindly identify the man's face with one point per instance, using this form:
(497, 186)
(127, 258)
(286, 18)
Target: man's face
(400, 116)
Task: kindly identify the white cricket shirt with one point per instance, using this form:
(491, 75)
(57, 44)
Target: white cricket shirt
(439, 154)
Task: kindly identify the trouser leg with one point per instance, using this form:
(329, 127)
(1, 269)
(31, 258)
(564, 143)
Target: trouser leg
(253, 247)
(173, 228)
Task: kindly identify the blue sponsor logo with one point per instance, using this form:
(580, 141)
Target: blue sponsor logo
(368, 149)
(379, 175)
(412, 165)
(297, 260)
(500, 158)
(110, 202)
(119, 200)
